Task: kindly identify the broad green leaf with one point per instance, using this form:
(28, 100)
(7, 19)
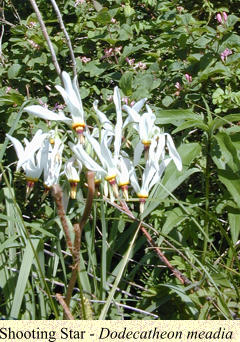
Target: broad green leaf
(234, 221)
(94, 68)
(227, 154)
(14, 70)
(128, 10)
(125, 83)
(174, 116)
(98, 7)
(125, 32)
(174, 218)
(232, 182)
(191, 124)
(103, 16)
(227, 119)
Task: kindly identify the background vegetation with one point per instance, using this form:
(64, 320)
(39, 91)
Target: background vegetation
(185, 60)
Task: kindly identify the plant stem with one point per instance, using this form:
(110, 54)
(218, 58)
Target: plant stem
(46, 36)
(207, 189)
(78, 228)
(62, 26)
(64, 306)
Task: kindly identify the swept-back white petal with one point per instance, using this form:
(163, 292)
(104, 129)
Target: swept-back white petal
(138, 153)
(86, 159)
(138, 105)
(107, 125)
(46, 114)
(173, 152)
(17, 145)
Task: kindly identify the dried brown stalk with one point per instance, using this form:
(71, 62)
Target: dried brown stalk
(58, 196)
(124, 208)
(61, 23)
(78, 228)
(66, 309)
(46, 36)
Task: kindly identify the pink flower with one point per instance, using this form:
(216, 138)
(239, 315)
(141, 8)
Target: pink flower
(113, 20)
(225, 54)
(222, 17)
(33, 44)
(108, 52)
(140, 65)
(85, 59)
(219, 18)
(225, 16)
(118, 49)
(58, 107)
(180, 9)
(77, 2)
(130, 61)
(179, 88)
(125, 100)
(188, 78)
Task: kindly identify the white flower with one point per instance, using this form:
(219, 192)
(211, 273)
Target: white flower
(71, 96)
(155, 166)
(31, 158)
(54, 162)
(123, 167)
(72, 170)
(44, 113)
(84, 158)
(108, 126)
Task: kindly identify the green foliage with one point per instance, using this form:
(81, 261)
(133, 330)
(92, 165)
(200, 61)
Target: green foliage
(172, 53)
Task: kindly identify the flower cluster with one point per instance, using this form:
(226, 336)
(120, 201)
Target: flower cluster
(102, 149)
(222, 17)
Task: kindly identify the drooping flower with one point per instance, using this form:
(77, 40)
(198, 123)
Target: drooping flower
(188, 78)
(71, 96)
(227, 52)
(222, 17)
(72, 170)
(52, 168)
(32, 158)
(155, 166)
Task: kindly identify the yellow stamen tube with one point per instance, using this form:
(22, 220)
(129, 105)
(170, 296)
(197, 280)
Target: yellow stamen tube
(146, 144)
(112, 181)
(142, 200)
(124, 188)
(73, 190)
(79, 128)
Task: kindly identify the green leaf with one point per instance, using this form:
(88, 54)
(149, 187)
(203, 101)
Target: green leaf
(23, 277)
(167, 101)
(227, 154)
(103, 16)
(234, 221)
(227, 119)
(189, 124)
(13, 71)
(128, 10)
(174, 218)
(98, 7)
(125, 32)
(125, 83)
(174, 116)
(94, 68)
